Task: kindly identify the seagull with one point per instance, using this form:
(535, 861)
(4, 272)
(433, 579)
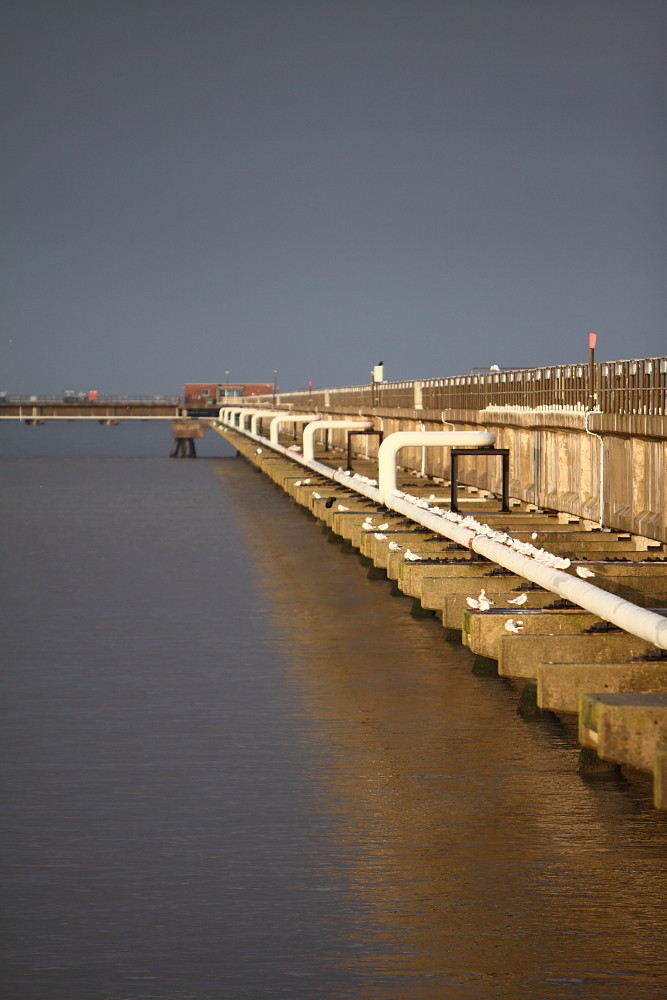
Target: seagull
(534, 535)
(411, 556)
(512, 626)
(383, 527)
(484, 603)
(472, 602)
(298, 482)
(380, 537)
(521, 599)
(341, 506)
(307, 482)
(368, 526)
(584, 572)
(258, 451)
(395, 547)
(316, 495)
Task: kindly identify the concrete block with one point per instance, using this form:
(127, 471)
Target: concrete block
(378, 550)
(625, 728)
(482, 631)
(560, 685)
(519, 655)
(347, 524)
(660, 779)
(411, 574)
(435, 590)
(454, 605)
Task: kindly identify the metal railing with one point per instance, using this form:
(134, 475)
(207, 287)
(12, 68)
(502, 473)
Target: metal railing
(637, 386)
(84, 398)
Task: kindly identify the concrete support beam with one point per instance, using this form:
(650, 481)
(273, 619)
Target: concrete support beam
(660, 779)
(519, 655)
(482, 631)
(561, 685)
(625, 728)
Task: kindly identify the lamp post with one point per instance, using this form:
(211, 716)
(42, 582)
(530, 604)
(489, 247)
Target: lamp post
(226, 384)
(275, 378)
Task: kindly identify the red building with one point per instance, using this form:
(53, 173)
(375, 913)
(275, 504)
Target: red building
(211, 395)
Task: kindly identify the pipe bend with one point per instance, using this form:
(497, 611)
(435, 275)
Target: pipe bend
(311, 429)
(393, 443)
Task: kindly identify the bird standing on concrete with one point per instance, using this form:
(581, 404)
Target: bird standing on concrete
(341, 506)
(584, 572)
(513, 626)
(483, 602)
(521, 599)
(395, 547)
(410, 556)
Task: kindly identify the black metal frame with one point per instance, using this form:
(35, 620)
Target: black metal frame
(504, 454)
(351, 434)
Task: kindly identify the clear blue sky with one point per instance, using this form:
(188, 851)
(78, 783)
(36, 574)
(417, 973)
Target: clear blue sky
(314, 186)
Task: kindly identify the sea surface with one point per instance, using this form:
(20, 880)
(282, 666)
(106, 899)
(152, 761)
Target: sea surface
(234, 766)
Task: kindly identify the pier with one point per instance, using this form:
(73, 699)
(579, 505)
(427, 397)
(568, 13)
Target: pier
(550, 565)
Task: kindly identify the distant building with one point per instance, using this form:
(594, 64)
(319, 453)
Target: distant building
(210, 395)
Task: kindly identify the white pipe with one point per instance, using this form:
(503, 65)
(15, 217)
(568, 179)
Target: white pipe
(228, 414)
(261, 415)
(393, 443)
(244, 414)
(311, 429)
(638, 621)
(288, 418)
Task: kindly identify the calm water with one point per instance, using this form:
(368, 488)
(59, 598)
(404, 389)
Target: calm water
(235, 767)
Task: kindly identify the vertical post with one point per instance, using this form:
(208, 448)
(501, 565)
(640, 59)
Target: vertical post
(505, 481)
(592, 395)
(454, 462)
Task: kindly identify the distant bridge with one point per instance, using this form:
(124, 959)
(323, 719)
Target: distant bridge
(33, 410)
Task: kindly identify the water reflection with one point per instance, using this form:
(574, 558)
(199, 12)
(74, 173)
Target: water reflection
(477, 862)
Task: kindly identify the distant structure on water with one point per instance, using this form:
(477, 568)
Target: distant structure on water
(205, 396)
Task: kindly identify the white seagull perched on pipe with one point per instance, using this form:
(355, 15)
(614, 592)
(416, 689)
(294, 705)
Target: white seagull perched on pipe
(584, 572)
(521, 599)
(513, 626)
(411, 557)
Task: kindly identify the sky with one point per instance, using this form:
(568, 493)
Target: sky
(193, 188)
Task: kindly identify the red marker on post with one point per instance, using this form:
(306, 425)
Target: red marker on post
(592, 400)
